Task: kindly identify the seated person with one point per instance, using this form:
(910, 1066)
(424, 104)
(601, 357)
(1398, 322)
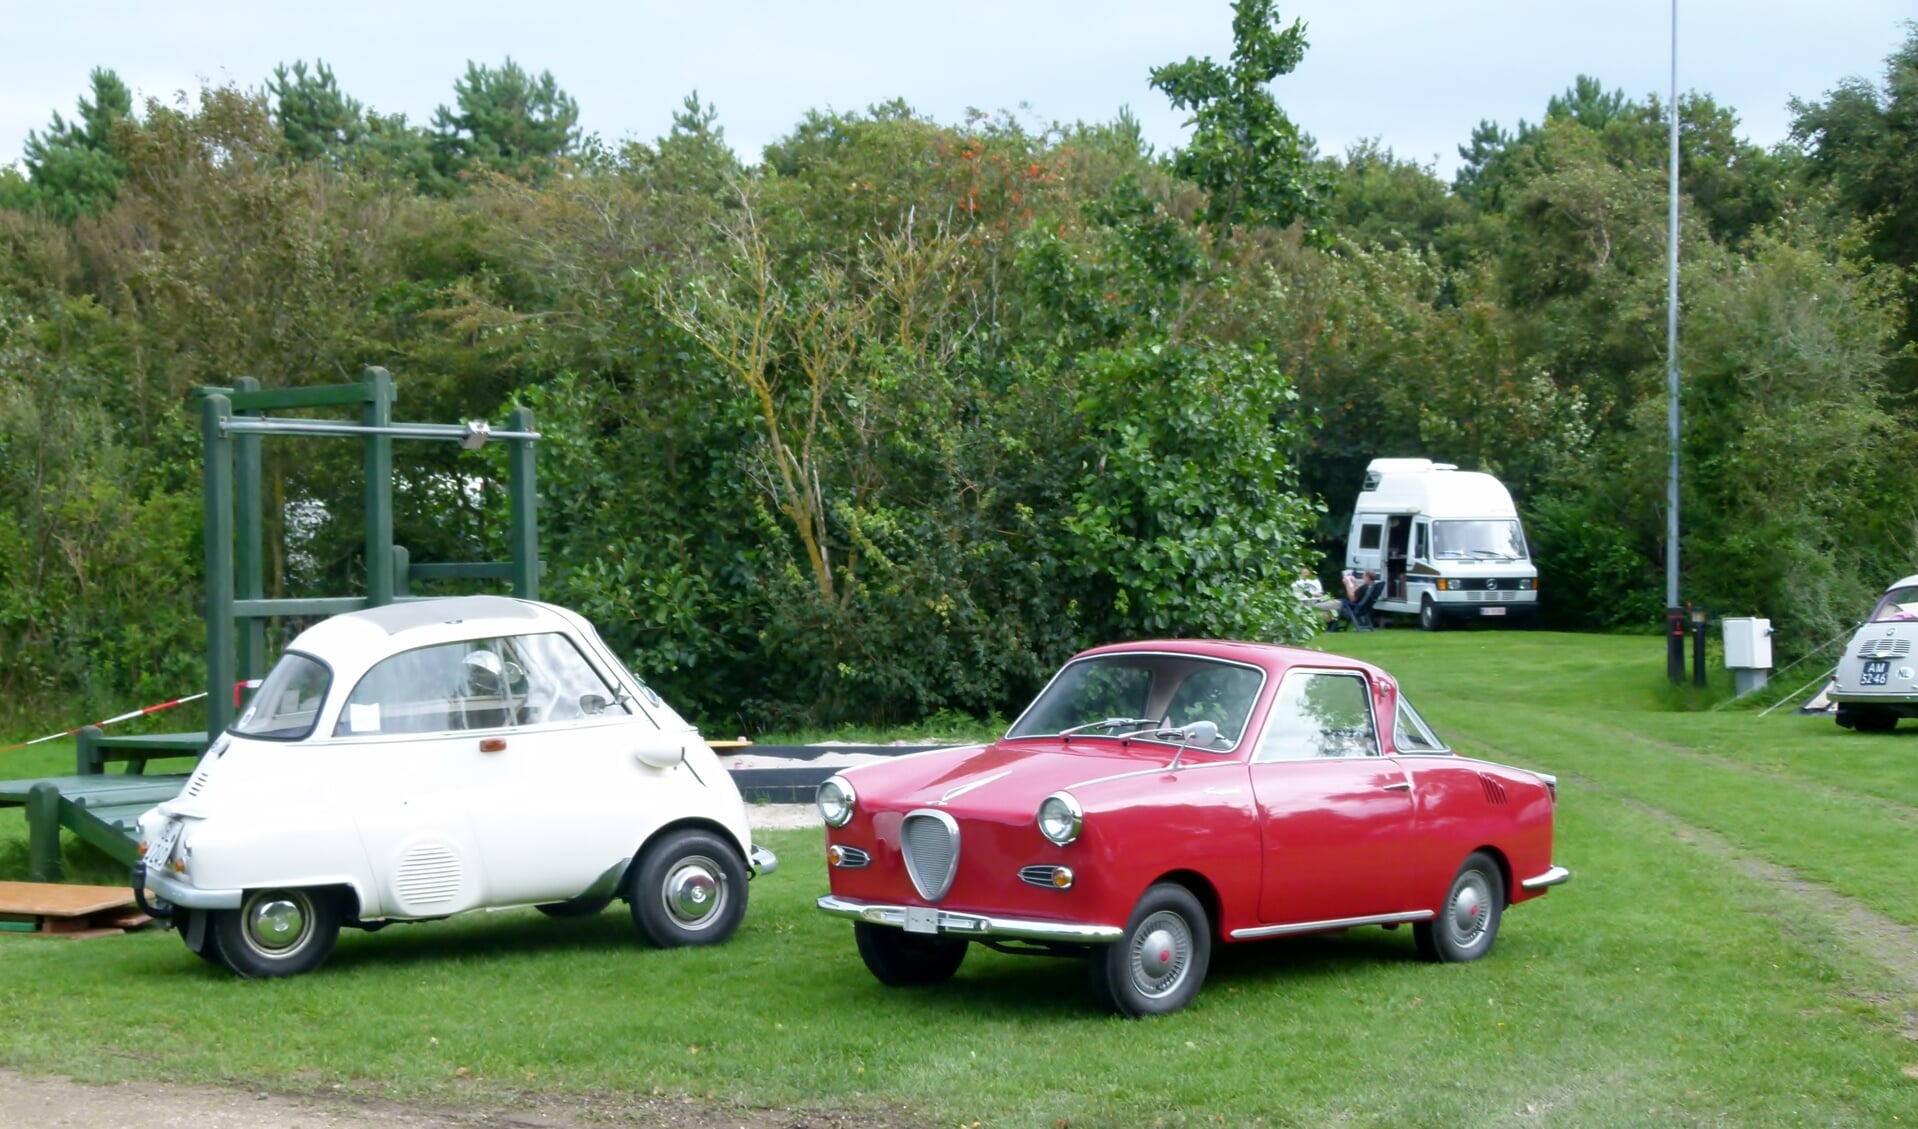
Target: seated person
(1361, 591)
(1311, 593)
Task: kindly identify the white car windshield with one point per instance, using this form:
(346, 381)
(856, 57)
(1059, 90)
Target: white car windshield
(1898, 605)
(1486, 540)
(1137, 695)
(288, 701)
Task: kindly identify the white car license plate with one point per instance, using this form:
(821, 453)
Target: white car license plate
(161, 848)
(1491, 611)
(922, 919)
(1877, 673)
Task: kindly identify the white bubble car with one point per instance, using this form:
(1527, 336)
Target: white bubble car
(422, 759)
(1876, 683)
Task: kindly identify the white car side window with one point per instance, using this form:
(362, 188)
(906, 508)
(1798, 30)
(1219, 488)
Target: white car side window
(446, 688)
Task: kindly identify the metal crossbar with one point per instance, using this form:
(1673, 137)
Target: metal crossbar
(465, 432)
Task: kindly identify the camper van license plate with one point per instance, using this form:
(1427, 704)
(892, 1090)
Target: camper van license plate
(1491, 611)
(1877, 673)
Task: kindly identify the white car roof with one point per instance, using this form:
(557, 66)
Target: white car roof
(353, 642)
(417, 623)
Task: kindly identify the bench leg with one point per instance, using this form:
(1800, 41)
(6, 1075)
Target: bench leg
(43, 833)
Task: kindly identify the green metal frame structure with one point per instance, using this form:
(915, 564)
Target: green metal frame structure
(233, 423)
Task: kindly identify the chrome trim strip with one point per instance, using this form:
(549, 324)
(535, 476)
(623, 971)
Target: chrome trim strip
(1558, 875)
(1340, 923)
(1868, 698)
(977, 925)
(763, 861)
(192, 897)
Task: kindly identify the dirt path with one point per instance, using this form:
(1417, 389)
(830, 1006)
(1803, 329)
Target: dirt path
(56, 1103)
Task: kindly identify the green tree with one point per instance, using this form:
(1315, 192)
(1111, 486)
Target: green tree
(1185, 515)
(1861, 143)
(1734, 185)
(320, 121)
(506, 121)
(75, 168)
(1377, 199)
(1245, 152)
(314, 114)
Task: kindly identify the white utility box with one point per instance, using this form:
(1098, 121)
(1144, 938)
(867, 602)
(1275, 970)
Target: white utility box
(1747, 651)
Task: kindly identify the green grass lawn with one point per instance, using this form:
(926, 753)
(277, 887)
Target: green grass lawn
(1665, 985)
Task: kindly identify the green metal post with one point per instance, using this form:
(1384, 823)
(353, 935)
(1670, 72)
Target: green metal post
(250, 551)
(378, 412)
(218, 533)
(43, 833)
(523, 498)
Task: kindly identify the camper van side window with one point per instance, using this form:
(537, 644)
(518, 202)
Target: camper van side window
(1418, 543)
(1369, 536)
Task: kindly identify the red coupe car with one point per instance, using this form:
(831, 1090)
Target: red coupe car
(1160, 797)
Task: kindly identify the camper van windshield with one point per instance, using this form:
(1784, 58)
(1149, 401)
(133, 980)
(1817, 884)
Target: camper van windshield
(1478, 540)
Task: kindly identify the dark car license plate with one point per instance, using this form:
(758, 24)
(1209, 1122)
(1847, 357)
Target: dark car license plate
(1877, 672)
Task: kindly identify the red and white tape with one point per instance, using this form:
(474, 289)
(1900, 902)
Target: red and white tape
(238, 687)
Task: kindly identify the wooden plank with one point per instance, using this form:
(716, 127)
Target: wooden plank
(187, 742)
(318, 605)
(123, 816)
(312, 396)
(89, 789)
(54, 899)
(158, 789)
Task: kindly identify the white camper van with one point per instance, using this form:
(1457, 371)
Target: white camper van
(1447, 543)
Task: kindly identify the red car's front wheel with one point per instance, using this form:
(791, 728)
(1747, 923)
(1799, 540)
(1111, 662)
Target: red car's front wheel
(1158, 964)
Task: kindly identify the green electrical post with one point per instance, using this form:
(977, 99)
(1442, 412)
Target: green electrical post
(522, 496)
(218, 534)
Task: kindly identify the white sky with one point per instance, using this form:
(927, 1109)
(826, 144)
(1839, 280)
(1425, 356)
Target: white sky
(1417, 74)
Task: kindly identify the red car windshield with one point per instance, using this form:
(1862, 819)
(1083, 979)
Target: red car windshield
(1135, 694)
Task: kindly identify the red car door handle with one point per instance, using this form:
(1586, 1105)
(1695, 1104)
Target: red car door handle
(1401, 786)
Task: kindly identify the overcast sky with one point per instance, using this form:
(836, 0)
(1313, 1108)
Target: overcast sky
(1417, 74)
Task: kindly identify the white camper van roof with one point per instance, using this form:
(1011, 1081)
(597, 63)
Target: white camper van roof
(1438, 490)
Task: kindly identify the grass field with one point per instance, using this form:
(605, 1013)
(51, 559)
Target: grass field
(1739, 946)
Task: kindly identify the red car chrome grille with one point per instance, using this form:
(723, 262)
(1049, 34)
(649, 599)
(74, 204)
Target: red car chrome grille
(930, 842)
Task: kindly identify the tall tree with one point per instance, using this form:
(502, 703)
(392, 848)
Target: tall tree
(1863, 143)
(316, 116)
(73, 169)
(1245, 152)
(507, 121)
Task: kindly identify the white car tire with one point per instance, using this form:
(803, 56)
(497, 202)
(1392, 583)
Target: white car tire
(688, 888)
(276, 932)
